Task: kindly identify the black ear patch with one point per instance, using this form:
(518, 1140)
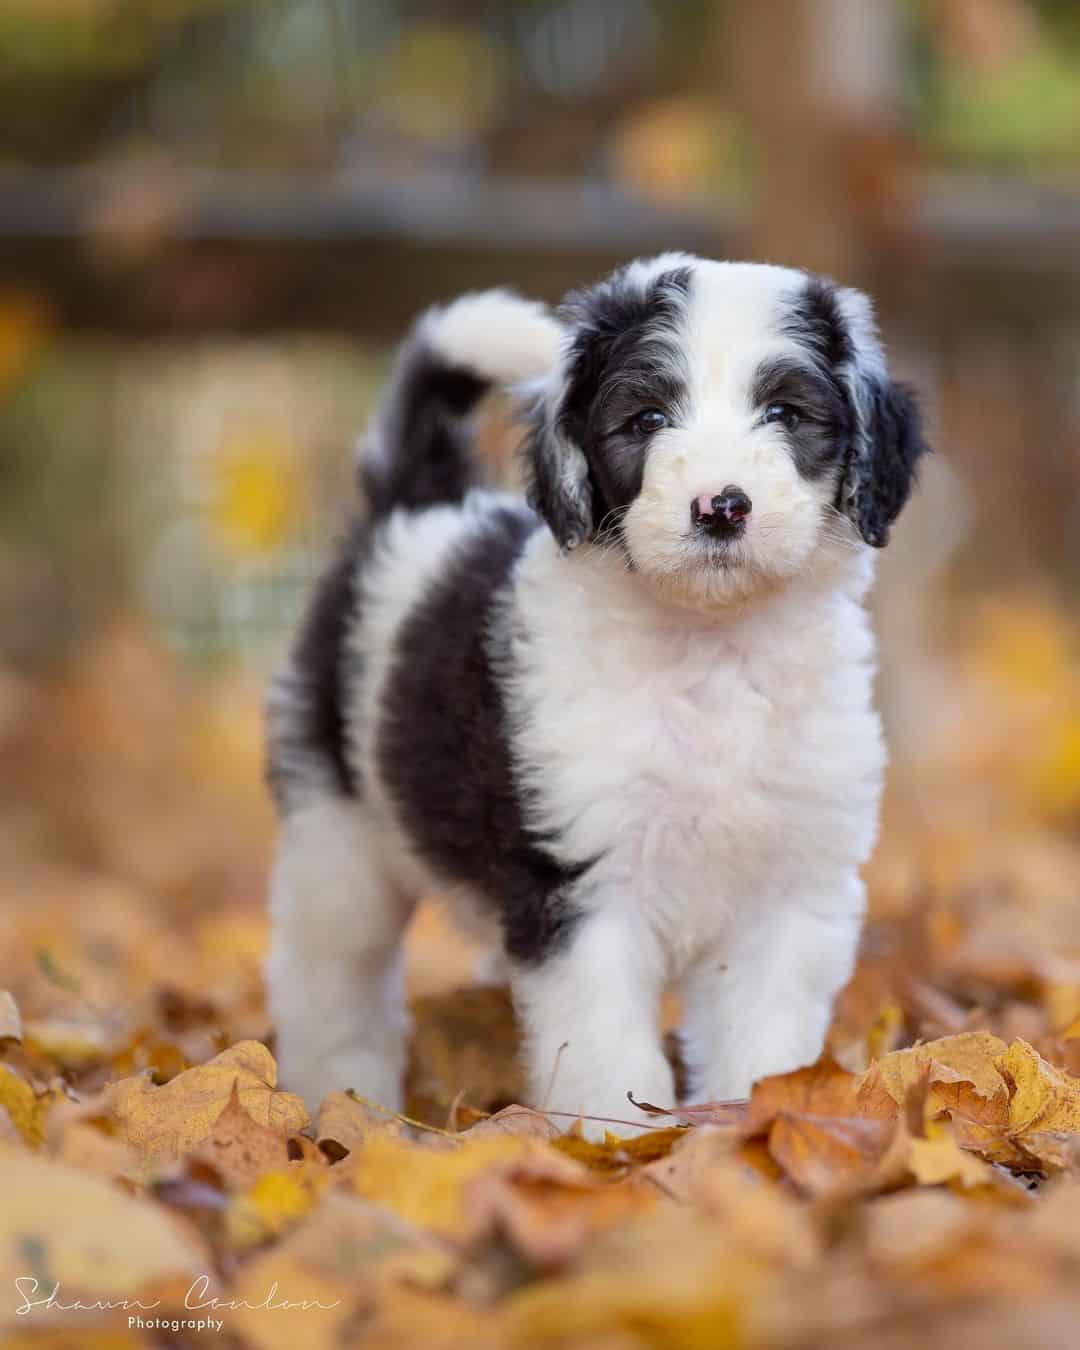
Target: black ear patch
(559, 490)
(885, 450)
(624, 355)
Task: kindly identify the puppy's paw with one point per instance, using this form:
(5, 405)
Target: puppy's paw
(363, 1072)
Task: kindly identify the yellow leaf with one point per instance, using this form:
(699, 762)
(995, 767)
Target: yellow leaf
(169, 1121)
(1044, 1098)
(60, 1225)
(616, 1153)
(426, 1186)
(937, 1158)
(274, 1203)
(24, 1108)
(338, 1260)
(950, 1064)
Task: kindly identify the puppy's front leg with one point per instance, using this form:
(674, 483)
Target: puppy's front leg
(590, 1014)
(763, 1004)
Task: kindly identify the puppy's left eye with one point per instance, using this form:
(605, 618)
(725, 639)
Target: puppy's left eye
(650, 421)
(784, 413)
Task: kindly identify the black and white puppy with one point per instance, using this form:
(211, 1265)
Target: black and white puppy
(629, 725)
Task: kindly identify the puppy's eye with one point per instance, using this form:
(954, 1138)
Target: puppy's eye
(650, 421)
(782, 412)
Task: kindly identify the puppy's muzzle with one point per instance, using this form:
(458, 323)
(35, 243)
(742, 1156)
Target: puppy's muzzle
(723, 516)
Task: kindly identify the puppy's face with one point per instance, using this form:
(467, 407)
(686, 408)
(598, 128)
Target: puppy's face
(721, 423)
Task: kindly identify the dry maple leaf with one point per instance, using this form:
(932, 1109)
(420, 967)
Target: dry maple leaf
(821, 1089)
(1042, 1098)
(820, 1153)
(169, 1121)
(961, 1072)
(240, 1148)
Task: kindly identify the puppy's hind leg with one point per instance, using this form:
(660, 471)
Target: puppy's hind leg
(335, 968)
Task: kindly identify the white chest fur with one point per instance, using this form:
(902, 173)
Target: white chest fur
(711, 763)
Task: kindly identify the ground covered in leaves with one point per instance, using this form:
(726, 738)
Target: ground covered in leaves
(920, 1185)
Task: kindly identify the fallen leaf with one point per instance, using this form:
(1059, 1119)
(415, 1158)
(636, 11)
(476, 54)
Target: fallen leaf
(168, 1121)
(614, 1155)
(25, 1109)
(699, 1153)
(549, 1221)
(937, 1158)
(961, 1071)
(820, 1153)
(427, 1187)
(346, 1120)
(912, 1229)
(822, 1089)
(240, 1148)
(1043, 1099)
(516, 1120)
(273, 1203)
(698, 1113)
(61, 1225)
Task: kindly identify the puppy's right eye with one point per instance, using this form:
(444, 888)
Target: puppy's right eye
(650, 421)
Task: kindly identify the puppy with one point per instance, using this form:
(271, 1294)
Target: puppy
(627, 728)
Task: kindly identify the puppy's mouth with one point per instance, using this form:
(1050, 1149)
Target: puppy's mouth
(718, 554)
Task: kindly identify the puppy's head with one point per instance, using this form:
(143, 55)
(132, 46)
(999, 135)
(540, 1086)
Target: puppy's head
(722, 423)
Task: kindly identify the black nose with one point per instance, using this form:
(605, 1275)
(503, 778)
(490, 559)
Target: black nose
(723, 515)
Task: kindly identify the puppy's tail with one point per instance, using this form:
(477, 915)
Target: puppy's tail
(418, 450)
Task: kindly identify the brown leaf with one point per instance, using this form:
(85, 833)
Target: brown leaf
(548, 1221)
(518, 1120)
(820, 1153)
(822, 1089)
(240, 1148)
(346, 1120)
(698, 1154)
(697, 1113)
(961, 1073)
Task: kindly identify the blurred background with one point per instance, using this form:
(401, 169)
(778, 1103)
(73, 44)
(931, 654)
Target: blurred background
(217, 217)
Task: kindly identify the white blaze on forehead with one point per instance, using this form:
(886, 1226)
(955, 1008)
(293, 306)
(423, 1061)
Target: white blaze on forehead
(735, 321)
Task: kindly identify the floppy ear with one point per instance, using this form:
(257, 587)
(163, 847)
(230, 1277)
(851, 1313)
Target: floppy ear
(559, 489)
(887, 437)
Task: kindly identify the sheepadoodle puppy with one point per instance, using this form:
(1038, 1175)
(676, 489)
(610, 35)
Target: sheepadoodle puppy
(625, 726)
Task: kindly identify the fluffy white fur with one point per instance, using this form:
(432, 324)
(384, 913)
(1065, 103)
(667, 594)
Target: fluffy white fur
(707, 733)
